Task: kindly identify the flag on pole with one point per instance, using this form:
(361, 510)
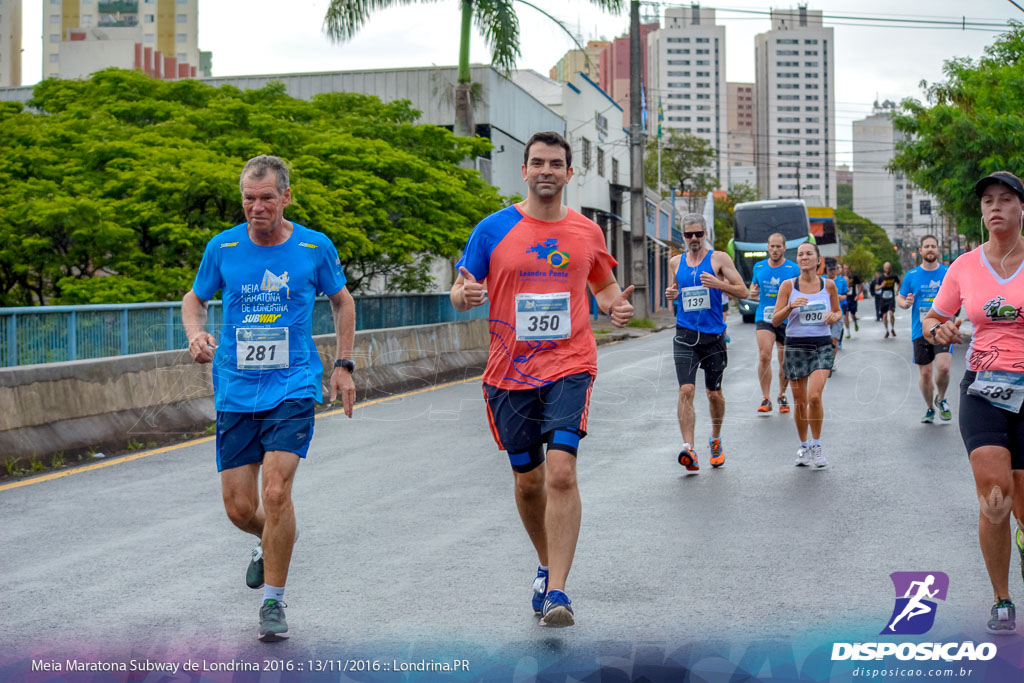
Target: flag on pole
(661, 116)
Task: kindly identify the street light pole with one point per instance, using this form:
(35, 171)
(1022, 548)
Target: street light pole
(636, 271)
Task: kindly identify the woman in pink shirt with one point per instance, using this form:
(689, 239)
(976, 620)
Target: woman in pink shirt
(987, 282)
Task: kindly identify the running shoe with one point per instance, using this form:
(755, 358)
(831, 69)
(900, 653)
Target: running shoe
(540, 589)
(688, 459)
(1020, 549)
(783, 404)
(254, 574)
(766, 406)
(929, 416)
(848, 335)
(803, 457)
(717, 454)
(557, 610)
(1003, 620)
(887, 333)
(856, 326)
(727, 340)
(273, 626)
(944, 412)
(817, 457)
(894, 331)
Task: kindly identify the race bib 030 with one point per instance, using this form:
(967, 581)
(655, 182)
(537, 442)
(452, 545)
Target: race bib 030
(813, 314)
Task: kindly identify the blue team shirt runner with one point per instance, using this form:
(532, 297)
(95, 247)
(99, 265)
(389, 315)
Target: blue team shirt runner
(924, 285)
(769, 279)
(842, 287)
(707, 318)
(268, 293)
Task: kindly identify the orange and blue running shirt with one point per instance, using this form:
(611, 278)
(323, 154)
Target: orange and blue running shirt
(994, 307)
(536, 274)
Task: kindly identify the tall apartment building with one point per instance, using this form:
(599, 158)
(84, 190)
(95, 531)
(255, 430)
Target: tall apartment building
(795, 108)
(10, 43)
(740, 134)
(686, 71)
(903, 210)
(614, 68)
(84, 36)
(586, 61)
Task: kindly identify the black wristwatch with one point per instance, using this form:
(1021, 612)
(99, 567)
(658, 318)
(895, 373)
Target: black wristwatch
(345, 363)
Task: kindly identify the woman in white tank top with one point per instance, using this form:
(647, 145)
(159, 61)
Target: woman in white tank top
(812, 304)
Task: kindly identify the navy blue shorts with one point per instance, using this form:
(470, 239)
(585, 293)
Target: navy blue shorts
(523, 420)
(243, 438)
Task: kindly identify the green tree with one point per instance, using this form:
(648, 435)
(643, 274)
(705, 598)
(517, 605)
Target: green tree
(862, 260)
(969, 128)
(855, 231)
(724, 209)
(844, 196)
(496, 21)
(685, 164)
(111, 188)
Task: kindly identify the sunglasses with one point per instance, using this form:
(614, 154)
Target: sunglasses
(690, 235)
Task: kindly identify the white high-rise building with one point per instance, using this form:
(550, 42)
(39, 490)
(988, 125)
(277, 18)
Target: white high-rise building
(795, 101)
(84, 36)
(10, 43)
(686, 73)
(890, 200)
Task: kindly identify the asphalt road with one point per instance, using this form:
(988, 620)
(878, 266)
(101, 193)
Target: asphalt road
(411, 546)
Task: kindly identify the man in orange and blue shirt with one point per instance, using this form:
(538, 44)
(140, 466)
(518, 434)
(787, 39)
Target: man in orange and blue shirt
(535, 261)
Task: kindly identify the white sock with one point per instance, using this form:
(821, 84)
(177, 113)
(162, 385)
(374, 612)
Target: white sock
(804, 444)
(273, 593)
(686, 446)
(815, 442)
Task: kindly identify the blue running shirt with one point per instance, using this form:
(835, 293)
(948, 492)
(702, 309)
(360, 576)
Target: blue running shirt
(768, 280)
(268, 295)
(924, 285)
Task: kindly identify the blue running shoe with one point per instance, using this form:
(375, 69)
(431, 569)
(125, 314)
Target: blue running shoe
(557, 610)
(540, 589)
(929, 417)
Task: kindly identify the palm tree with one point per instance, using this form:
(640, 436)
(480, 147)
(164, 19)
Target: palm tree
(495, 19)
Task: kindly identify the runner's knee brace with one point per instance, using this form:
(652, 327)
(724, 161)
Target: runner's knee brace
(567, 440)
(525, 461)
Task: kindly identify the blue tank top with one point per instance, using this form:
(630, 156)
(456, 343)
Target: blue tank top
(699, 307)
(809, 321)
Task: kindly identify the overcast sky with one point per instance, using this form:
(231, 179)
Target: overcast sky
(271, 36)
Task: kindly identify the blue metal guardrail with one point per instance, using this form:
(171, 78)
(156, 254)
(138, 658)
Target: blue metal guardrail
(51, 334)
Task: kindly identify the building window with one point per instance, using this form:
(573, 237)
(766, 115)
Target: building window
(149, 38)
(810, 53)
(812, 131)
(679, 85)
(181, 38)
(703, 52)
(703, 96)
(600, 162)
(788, 119)
(182, 57)
(703, 40)
(587, 153)
(810, 41)
(786, 53)
(615, 171)
(54, 37)
(685, 74)
(809, 64)
(811, 86)
(810, 97)
(787, 41)
(148, 18)
(679, 62)
(181, 18)
(787, 97)
(54, 18)
(810, 75)
(703, 74)
(55, 58)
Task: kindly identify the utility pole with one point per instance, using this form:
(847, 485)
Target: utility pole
(798, 180)
(636, 265)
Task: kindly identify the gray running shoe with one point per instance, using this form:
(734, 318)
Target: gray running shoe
(818, 457)
(273, 625)
(1003, 620)
(803, 457)
(254, 573)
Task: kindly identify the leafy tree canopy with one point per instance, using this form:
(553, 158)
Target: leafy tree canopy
(685, 164)
(724, 209)
(111, 188)
(858, 233)
(970, 127)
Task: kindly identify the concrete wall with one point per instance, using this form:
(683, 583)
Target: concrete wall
(105, 403)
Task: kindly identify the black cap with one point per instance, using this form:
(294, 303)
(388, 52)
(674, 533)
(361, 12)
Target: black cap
(831, 263)
(1004, 177)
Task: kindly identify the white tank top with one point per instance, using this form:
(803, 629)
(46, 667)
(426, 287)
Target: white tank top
(809, 321)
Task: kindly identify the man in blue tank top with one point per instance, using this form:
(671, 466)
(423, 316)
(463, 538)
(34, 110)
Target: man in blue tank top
(267, 374)
(701, 276)
(768, 276)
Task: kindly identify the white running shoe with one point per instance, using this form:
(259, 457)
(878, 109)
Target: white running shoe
(818, 457)
(803, 457)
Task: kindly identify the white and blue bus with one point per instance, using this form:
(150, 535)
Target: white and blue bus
(753, 223)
